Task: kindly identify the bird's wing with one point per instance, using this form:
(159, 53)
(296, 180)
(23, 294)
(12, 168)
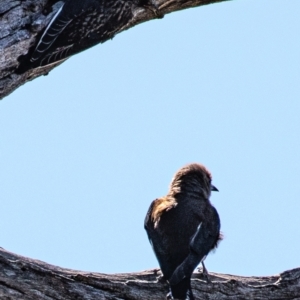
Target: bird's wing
(150, 229)
(201, 244)
(149, 225)
(58, 23)
(77, 26)
(67, 13)
(57, 56)
(155, 238)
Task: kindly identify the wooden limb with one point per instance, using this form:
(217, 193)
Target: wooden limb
(28, 279)
(21, 21)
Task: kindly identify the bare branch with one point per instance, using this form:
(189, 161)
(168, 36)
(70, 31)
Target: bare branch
(21, 21)
(28, 279)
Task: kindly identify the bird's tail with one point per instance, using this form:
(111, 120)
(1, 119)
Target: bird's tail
(182, 290)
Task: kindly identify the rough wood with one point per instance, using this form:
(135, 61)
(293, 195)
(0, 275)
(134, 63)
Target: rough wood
(23, 278)
(22, 20)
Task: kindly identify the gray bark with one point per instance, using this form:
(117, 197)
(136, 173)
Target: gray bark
(21, 21)
(27, 279)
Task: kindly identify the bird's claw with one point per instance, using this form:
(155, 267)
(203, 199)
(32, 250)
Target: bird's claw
(204, 273)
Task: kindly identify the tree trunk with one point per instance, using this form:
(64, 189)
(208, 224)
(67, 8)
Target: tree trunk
(21, 21)
(27, 279)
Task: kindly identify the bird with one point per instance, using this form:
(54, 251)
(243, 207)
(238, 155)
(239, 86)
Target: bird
(78, 25)
(183, 227)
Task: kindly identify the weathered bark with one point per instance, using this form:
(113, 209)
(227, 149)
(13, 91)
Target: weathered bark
(28, 279)
(21, 21)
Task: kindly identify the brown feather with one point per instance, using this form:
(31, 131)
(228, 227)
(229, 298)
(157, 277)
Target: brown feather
(161, 205)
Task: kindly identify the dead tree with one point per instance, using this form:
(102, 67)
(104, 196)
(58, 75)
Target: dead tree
(23, 278)
(21, 21)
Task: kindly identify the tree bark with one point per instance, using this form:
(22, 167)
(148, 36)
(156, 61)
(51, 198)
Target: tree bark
(28, 279)
(21, 21)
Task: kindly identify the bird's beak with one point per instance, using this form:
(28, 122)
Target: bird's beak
(213, 188)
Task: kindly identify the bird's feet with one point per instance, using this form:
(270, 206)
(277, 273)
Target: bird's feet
(204, 272)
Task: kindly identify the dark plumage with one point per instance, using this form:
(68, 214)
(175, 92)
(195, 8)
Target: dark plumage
(183, 227)
(78, 25)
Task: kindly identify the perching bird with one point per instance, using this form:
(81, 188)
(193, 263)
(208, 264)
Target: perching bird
(183, 227)
(78, 25)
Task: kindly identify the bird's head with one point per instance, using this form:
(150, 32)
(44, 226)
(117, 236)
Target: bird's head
(192, 179)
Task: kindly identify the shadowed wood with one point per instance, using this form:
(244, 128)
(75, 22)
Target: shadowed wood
(28, 279)
(22, 21)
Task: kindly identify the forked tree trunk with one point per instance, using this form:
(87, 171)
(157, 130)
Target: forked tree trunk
(27, 279)
(22, 20)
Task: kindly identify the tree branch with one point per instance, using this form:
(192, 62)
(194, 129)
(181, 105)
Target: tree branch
(28, 279)
(21, 21)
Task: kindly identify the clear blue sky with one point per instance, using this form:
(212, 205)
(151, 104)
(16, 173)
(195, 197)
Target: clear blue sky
(84, 150)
